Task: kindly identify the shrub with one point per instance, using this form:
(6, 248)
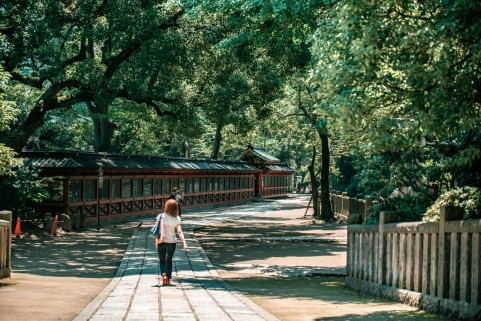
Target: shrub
(467, 197)
(21, 186)
(408, 208)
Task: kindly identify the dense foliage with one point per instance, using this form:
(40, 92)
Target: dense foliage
(8, 113)
(385, 95)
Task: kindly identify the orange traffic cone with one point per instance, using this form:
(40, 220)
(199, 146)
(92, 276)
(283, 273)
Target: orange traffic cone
(18, 231)
(54, 226)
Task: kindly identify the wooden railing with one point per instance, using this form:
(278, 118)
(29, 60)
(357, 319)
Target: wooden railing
(5, 243)
(344, 205)
(434, 266)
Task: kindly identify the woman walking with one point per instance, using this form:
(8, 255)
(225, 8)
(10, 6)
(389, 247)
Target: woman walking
(166, 243)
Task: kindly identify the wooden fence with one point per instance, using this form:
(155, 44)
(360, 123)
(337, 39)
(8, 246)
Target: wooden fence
(5, 243)
(434, 266)
(355, 208)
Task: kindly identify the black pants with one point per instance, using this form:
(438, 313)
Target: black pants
(166, 253)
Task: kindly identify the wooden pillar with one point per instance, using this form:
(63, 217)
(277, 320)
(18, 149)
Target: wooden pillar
(395, 260)
(476, 269)
(345, 204)
(381, 263)
(409, 261)
(447, 213)
(383, 260)
(434, 264)
(387, 276)
(402, 260)
(465, 270)
(7, 268)
(426, 269)
(417, 271)
(454, 270)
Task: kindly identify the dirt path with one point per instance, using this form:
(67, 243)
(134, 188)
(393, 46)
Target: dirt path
(55, 278)
(264, 255)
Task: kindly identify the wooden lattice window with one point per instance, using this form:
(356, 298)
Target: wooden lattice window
(157, 186)
(137, 187)
(148, 187)
(221, 183)
(227, 183)
(104, 191)
(126, 187)
(182, 185)
(116, 188)
(75, 190)
(166, 184)
(175, 183)
(197, 185)
(190, 185)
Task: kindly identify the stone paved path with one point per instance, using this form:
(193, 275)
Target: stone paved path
(197, 292)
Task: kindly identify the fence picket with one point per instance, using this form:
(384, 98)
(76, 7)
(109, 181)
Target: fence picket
(440, 260)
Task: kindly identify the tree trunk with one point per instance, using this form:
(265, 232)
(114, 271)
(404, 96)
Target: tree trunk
(217, 139)
(19, 137)
(187, 147)
(326, 211)
(103, 128)
(315, 186)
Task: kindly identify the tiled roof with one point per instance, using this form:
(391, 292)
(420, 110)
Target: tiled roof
(280, 168)
(86, 160)
(260, 153)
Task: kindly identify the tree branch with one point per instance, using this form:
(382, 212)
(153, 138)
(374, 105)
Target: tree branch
(62, 102)
(36, 83)
(149, 102)
(82, 54)
(113, 63)
(404, 15)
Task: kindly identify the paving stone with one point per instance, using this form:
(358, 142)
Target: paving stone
(196, 293)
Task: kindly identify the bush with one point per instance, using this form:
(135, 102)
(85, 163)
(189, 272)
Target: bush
(408, 208)
(467, 197)
(21, 186)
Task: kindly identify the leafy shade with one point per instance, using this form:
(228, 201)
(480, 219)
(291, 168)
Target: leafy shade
(8, 113)
(468, 198)
(394, 72)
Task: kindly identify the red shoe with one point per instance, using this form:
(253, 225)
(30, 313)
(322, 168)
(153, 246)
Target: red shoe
(165, 279)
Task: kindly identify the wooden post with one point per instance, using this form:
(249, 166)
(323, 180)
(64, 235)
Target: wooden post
(402, 260)
(7, 216)
(387, 277)
(417, 271)
(434, 264)
(426, 269)
(454, 270)
(410, 251)
(345, 204)
(465, 271)
(383, 258)
(476, 269)
(447, 213)
(395, 260)
(349, 260)
(381, 263)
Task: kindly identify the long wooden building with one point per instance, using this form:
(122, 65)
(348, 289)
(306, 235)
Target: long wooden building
(102, 186)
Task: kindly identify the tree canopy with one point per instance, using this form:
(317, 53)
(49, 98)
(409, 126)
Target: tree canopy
(387, 93)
